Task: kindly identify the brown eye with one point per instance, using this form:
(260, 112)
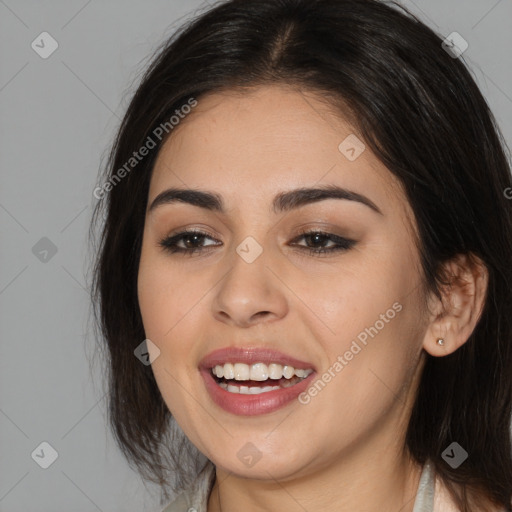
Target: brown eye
(191, 240)
(317, 237)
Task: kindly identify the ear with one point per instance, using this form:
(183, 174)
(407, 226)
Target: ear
(455, 317)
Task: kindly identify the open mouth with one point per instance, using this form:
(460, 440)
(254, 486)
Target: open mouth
(257, 378)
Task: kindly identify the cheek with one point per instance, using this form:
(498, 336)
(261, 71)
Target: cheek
(354, 298)
(153, 301)
(171, 310)
(165, 296)
(372, 315)
(164, 306)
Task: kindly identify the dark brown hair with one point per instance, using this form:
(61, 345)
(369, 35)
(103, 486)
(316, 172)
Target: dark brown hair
(419, 110)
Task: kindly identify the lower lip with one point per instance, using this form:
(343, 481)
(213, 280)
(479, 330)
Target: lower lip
(251, 405)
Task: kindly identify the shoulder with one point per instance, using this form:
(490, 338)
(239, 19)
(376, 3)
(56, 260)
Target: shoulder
(182, 503)
(443, 501)
(195, 497)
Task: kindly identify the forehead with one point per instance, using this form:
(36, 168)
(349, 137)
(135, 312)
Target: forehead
(248, 146)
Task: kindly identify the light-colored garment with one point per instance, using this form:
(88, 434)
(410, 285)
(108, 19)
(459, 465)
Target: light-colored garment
(432, 496)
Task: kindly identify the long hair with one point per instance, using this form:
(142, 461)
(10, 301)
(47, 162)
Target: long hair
(421, 113)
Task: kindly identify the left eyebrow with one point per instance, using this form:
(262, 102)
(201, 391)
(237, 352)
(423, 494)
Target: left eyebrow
(282, 202)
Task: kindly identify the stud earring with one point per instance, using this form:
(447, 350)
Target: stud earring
(440, 341)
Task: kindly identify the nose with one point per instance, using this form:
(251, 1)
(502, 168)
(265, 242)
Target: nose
(250, 293)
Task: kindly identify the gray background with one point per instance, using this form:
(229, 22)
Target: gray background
(57, 118)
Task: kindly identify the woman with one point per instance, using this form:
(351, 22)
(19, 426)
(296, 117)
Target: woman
(305, 267)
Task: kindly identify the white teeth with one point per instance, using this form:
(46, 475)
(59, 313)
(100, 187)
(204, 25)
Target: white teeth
(258, 371)
(275, 371)
(246, 390)
(228, 370)
(288, 372)
(242, 371)
(255, 390)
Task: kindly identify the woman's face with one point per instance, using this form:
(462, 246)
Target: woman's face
(353, 316)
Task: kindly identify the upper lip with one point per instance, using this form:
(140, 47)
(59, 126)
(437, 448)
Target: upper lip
(251, 355)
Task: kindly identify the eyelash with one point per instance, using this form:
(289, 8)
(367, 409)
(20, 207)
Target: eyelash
(169, 244)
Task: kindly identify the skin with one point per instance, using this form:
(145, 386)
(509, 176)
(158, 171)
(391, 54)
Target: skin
(343, 451)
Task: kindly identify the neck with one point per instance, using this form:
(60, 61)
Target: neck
(374, 485)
